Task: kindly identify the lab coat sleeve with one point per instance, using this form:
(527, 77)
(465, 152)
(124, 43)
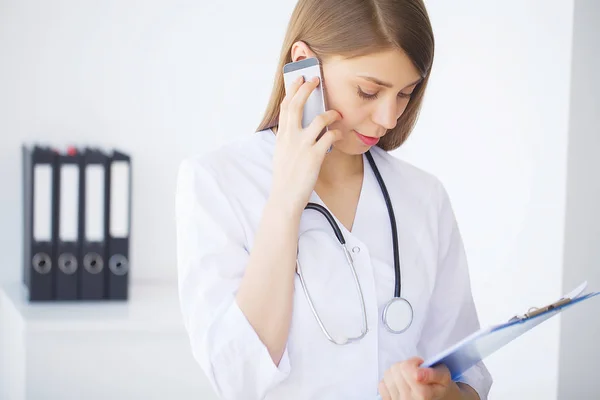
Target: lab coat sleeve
(212, 257)
(452, 315)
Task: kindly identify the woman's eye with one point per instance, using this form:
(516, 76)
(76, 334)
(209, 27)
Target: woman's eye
(364, 95)
(372, 96)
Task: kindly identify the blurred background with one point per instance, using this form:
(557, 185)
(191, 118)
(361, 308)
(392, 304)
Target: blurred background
(509, 124)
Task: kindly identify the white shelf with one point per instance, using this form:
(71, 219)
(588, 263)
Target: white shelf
(151, 308)
(96, 350)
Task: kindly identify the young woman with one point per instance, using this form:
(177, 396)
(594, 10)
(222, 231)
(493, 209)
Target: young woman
(274, 307)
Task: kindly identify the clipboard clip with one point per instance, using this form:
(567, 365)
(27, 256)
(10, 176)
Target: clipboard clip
(533, 311)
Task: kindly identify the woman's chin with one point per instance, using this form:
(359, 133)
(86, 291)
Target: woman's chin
(350, 147)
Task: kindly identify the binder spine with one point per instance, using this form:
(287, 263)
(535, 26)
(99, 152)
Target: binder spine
(40, 225)
(92, 233)
(67, 213)
(118, 221)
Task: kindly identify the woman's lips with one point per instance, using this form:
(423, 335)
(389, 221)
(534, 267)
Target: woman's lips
(367, 140)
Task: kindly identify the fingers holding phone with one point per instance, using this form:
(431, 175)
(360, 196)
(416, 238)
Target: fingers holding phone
(303, 107)
(298, 113)
(290, 93)
(303, 120)
(308, 100)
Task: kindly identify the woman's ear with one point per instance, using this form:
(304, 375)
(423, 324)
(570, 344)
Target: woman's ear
(300, 51)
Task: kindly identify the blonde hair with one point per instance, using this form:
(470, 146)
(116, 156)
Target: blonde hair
(355, 28)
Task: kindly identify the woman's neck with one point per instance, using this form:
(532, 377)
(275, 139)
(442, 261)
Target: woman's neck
(340, 167)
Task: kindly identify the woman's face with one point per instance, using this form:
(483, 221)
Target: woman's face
(371, 93)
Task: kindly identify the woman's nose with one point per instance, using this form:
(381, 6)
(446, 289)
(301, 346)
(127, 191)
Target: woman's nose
(386, 114)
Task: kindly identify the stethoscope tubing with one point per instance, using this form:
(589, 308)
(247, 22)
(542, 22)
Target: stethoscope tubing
(340, 237)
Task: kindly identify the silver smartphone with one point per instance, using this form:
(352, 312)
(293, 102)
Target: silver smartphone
(315, 104)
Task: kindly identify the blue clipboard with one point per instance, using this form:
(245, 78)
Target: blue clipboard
(475, 347)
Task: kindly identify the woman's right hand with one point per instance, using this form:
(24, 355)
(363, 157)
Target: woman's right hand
(298, 155)
(407, 380)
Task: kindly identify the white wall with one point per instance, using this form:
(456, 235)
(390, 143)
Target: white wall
(580, 328)
(156, 78)
(166, 79)
(495, 130)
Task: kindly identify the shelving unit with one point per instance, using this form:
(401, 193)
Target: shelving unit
(97, 350)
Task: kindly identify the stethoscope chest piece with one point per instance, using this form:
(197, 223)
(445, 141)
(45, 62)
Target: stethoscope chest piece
(397, 315)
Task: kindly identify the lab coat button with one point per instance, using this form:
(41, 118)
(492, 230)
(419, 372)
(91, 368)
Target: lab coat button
(356, 249)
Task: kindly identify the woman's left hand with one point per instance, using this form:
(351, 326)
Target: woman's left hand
(406, 381)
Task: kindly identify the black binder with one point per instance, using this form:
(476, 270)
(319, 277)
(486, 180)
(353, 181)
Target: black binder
(118, 223)
(39, 223)
(67, 241)
(93, 182)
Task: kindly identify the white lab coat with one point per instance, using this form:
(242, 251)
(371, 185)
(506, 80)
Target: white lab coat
(219, 200)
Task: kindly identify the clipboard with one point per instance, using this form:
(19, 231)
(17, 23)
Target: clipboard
(482, 343)
(475, 347)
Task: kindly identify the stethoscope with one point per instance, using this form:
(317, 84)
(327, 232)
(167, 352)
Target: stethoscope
(397, 316)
